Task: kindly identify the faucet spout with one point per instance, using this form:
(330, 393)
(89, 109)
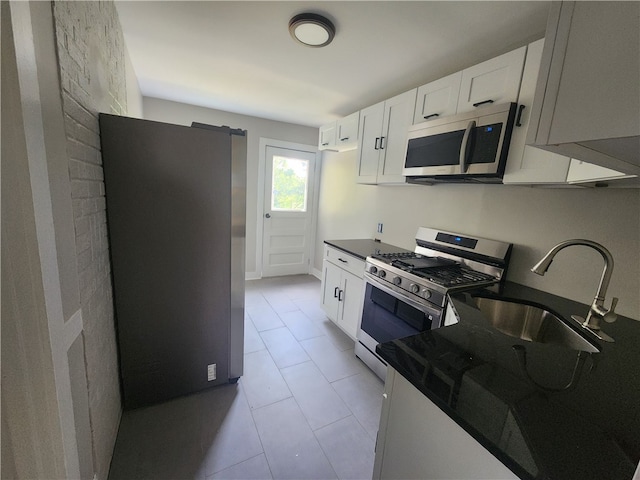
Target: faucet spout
(597, 311)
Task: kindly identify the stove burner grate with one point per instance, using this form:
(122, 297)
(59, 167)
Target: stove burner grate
(397, 255)
(453, 276)
(438, 270)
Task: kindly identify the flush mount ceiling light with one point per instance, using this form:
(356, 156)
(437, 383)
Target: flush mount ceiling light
(312, 30)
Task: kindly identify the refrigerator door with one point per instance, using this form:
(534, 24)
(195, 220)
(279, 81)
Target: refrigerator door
(169, 203)
(238, 238)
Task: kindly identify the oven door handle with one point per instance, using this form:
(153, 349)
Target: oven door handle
(395, 293)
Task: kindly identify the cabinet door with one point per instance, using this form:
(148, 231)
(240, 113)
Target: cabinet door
(398, 117)
(347, 132)
(350, 303)
(331, 284)
(525, 164)
(421, 441)
(369, 134)
(598, 92)
(588, 93)
(497, 80)
(438, 99)
(327, 137)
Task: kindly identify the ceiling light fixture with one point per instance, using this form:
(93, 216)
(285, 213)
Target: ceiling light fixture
(312, 30)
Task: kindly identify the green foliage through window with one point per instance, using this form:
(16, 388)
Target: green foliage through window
(289, 188)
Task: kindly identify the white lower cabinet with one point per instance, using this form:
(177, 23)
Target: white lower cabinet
(342, 289)
(418, 440)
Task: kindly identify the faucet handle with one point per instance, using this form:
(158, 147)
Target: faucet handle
(611, 316)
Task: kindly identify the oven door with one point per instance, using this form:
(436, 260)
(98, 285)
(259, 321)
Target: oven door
(388, 314)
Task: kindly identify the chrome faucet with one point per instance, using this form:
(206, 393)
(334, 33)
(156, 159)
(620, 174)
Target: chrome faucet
(597, 311)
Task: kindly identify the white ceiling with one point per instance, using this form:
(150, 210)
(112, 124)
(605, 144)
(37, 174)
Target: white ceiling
(238, 56)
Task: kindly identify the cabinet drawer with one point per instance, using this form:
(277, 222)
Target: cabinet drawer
(344, 260)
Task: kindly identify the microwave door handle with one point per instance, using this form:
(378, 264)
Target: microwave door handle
(465, 151)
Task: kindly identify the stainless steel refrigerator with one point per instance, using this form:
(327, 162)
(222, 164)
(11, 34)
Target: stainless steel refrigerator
(175, 199)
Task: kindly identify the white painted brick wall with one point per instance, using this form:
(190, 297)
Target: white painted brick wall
(92, 72)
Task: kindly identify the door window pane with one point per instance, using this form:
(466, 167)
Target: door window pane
(289, 184)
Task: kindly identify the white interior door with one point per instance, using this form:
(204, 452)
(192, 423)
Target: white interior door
(288, 211)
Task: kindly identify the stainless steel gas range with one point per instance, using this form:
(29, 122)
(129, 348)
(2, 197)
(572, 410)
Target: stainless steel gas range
(406, 293)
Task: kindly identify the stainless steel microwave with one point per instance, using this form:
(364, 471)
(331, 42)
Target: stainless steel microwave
(467, 147)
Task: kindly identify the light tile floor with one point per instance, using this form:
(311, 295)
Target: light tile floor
(305, 408)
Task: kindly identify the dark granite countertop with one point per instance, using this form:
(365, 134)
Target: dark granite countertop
(363, 248)
(546, 411)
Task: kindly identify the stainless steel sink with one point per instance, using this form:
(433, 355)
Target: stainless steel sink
(531, 323)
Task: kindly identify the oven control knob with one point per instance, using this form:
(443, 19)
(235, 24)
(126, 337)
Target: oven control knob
(373, 269)
(382, 273)
(415, 288)
(397, 280)
(426, 293)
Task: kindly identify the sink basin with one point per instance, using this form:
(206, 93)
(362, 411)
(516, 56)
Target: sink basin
(531, 323)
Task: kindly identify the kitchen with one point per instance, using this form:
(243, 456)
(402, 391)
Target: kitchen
(542, 216)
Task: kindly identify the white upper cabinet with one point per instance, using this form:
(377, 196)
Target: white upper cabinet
(398, 117)
(382, 139)
(327, 137)
(347, 132)
(530, 165)
(525, 164)
(588, 92)
(369, 134)
(494, 81)
(437, 99)
(341, 135)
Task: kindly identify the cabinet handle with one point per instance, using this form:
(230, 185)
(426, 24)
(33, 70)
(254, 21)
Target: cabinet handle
(376, 147)
(325, 144)
(482, 103)
(520, 109)
(342, 260)
(432, 115)
(335, 292)
(381, 142)
(344, 139)
(340, 292)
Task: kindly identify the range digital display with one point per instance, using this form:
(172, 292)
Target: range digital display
(457, 240)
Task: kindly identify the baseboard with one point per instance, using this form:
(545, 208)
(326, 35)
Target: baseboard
(256, 276)
(252, 276)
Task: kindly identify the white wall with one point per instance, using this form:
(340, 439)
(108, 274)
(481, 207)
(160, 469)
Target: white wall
(183, 114)
(533, 219)
(61, 405)
(134, 97)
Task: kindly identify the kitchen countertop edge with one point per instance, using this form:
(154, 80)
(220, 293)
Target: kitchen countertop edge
(364, 247)
(510, 290)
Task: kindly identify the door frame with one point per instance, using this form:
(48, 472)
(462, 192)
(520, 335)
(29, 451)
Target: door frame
(262, 165)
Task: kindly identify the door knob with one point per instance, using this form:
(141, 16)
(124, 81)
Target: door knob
(267, 215)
